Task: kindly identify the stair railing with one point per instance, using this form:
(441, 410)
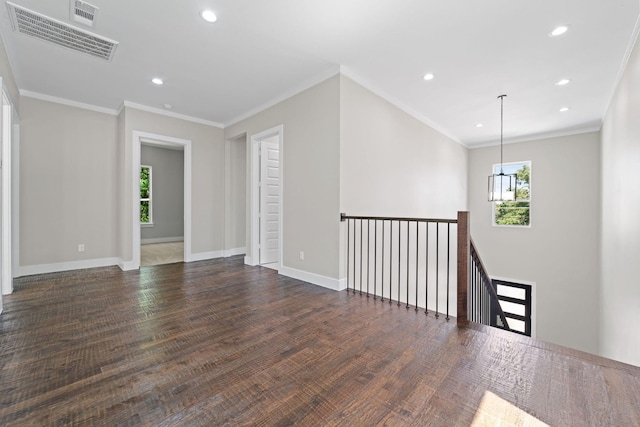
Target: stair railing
(408, 260)
(477, 298)
(403, 260)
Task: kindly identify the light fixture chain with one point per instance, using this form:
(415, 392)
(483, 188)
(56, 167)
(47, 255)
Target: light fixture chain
(501, 130)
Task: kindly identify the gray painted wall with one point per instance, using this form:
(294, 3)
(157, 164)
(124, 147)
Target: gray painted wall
(68, 183)
(560, 251)
(207, 177)
(310, 160)
(236, 190)
(167, 193)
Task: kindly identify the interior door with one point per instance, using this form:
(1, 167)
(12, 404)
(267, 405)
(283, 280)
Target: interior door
(269, 201)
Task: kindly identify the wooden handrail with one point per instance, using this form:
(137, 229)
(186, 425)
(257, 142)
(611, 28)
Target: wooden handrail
(344, 217)
(464, 241)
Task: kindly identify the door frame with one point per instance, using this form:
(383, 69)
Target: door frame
(6, 134)
(138, 138)
(254, 194)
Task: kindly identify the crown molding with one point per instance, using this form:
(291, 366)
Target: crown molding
(67, 102)
(161, 112)
(536, 137)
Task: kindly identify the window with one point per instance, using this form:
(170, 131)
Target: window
(516, 213)
(145, 195)
(517, 305)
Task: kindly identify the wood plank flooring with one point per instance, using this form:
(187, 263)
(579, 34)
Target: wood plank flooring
(220, 343)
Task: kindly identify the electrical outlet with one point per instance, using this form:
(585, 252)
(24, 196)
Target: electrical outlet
(81, 247)
(302, 255)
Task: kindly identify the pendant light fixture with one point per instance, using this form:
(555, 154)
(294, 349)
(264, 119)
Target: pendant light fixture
(502, 187)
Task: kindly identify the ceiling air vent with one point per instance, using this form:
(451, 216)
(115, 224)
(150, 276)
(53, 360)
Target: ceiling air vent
(33, 24)
(83, 13)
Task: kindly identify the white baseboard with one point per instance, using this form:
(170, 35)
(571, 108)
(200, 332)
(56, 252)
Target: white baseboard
(162, 240)
(234, 252)
(28, 270)
(126, 265)
(248, 261)
(316, 279)
(201, 256)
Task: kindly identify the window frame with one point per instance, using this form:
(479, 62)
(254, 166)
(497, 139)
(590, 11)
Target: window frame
(496, 167)
(148, 199)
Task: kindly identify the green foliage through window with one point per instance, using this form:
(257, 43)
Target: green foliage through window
(145, 194)
(516, 212)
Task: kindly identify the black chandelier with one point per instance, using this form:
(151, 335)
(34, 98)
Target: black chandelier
(502, 187)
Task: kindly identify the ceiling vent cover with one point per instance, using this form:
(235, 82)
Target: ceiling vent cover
(83, 13)
(33, 24)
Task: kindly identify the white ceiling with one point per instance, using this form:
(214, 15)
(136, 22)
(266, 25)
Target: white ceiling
(259, 51)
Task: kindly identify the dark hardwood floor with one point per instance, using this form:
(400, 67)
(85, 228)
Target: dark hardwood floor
(221, 343)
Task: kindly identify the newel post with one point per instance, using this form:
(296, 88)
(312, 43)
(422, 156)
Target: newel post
(463, 266)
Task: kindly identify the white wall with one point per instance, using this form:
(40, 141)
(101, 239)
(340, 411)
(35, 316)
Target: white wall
(68, 184)
(560, 251)
(167, 192)
(620, 282)
(310, 151)
(208, 195)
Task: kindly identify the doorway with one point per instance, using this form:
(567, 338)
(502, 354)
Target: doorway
(266, 198)
(161, 203)
(140, 138)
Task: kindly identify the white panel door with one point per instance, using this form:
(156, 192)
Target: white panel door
(269, 201)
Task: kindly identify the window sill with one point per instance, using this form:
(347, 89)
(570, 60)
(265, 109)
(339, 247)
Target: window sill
(146, 225)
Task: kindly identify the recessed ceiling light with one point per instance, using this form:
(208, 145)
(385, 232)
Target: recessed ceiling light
(563, 109)
(563, 82)
(479, 125)
(157, 80)
(558, 31)
(209, 16)
(428, 76)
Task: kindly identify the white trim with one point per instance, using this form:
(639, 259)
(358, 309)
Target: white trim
(234, 252)
(534, 300)
(166, 113)
(345, 71)
(315, 279)
(30, 270)
(536, 137)
(254, 193)
(319, 78)
(15, 195)
(6, 163)
(623, 66)
(67, 102)
(127, 265)
(248, 260)
(137, 139)
(162, 240)
(116, 112)
(202, 256)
